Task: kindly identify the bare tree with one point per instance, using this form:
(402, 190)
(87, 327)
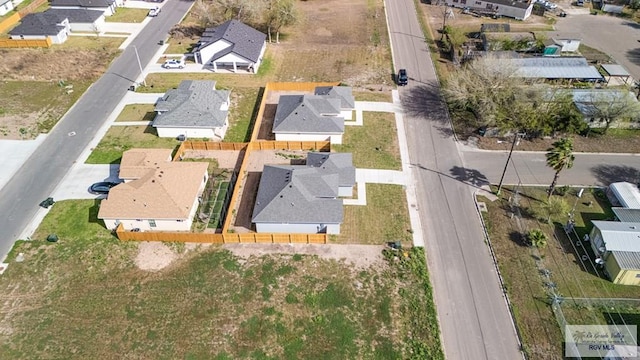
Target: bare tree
(280, 13)
(218, 11)
(611, 107)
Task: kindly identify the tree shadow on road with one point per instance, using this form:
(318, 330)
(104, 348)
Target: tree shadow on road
(425, 101)
(634, 55)
(607, 174)
(469, 176)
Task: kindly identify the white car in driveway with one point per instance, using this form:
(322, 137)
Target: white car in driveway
(173, 64)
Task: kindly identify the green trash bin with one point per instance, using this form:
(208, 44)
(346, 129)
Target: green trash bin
(52, 238)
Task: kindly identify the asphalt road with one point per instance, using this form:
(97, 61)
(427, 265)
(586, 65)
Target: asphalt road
(42, 172)
(474, 319)
(618, 37)
(530, 168)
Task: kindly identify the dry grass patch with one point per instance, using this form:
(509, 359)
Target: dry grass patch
(207, 304)
(381, 96)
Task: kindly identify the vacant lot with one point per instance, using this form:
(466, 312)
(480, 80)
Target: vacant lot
(522, 265)
(122, 138)
(87, 296)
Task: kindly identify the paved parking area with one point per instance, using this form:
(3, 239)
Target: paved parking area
(618, 37)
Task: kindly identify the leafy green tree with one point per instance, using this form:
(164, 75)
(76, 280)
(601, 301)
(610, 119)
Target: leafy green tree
(553, 207)
(537, 238)
(612, 107)
(559, 157)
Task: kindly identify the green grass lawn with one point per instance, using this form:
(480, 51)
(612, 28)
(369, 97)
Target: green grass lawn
(518, 266)
(385, 218)
(83, 297)
(137, 112)
(374, 144)
(382, 96)
(121, 138)
(244, 108)
(128, 15)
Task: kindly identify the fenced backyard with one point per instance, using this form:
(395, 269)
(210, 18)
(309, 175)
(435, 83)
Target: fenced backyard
(215, 201)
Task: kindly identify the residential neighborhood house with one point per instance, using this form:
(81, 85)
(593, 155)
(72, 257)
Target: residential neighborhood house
(40, 26)
(231, 45)
(157, 194)
(194, 110)
(588, 101)
(5, 7)
(304, 199)
(108, 7)
(617, 244)
(553, 68)
(561, 43)
(519, 10)
(342, 93)
(308, 118)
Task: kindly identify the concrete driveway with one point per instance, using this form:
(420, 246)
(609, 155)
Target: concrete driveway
(618, 37)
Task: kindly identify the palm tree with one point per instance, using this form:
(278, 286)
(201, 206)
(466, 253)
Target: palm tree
(537, 238)
(559, 157)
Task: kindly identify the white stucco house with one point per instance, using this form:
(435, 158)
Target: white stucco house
(342, 93)
(194, 110)
(304, 199)
(157, 195)
(232, 45)
(5, 7)
(519, 10)
(40, 26)
(308, 118)
(107, 7)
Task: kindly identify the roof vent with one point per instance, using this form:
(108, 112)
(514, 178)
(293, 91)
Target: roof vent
(292, 204)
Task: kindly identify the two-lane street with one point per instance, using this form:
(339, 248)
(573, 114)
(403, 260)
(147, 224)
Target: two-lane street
(472, 312)
(53, 159)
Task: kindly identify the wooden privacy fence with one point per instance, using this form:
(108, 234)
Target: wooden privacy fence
(10, 22)
(31, 7)
(291, 145)
(207, 146)
(229, 238)
(20, 43)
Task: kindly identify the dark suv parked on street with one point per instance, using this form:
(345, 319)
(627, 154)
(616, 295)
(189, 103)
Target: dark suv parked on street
(402, 79)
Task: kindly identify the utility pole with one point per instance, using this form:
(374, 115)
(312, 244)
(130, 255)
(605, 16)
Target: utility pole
(513, 144)
(144, 82)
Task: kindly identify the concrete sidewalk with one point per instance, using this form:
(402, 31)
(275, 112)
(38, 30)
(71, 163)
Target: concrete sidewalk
(14, 154)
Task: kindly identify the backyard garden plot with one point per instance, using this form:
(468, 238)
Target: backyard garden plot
(215, 201)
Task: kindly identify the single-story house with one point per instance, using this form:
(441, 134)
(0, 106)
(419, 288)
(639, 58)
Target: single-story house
(107, 7)
(342, 93)
(624, 194)
(588, 101)
(303, 199)
(39, 26)
(194, 110)
(618, 246)
(231, 45)
(519, 10)
(158, 194)
(340, 163)
(5, 7)
(81, 20)
(308, 118)
(626, 214)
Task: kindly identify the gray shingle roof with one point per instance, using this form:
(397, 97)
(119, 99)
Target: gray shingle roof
(77, 15)
(297, 194)
(619, 236)
(195, 103)
(82, 3)
(342, 93)
(247, 41)
(39, 24)
(340, 163)
(308, 114)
